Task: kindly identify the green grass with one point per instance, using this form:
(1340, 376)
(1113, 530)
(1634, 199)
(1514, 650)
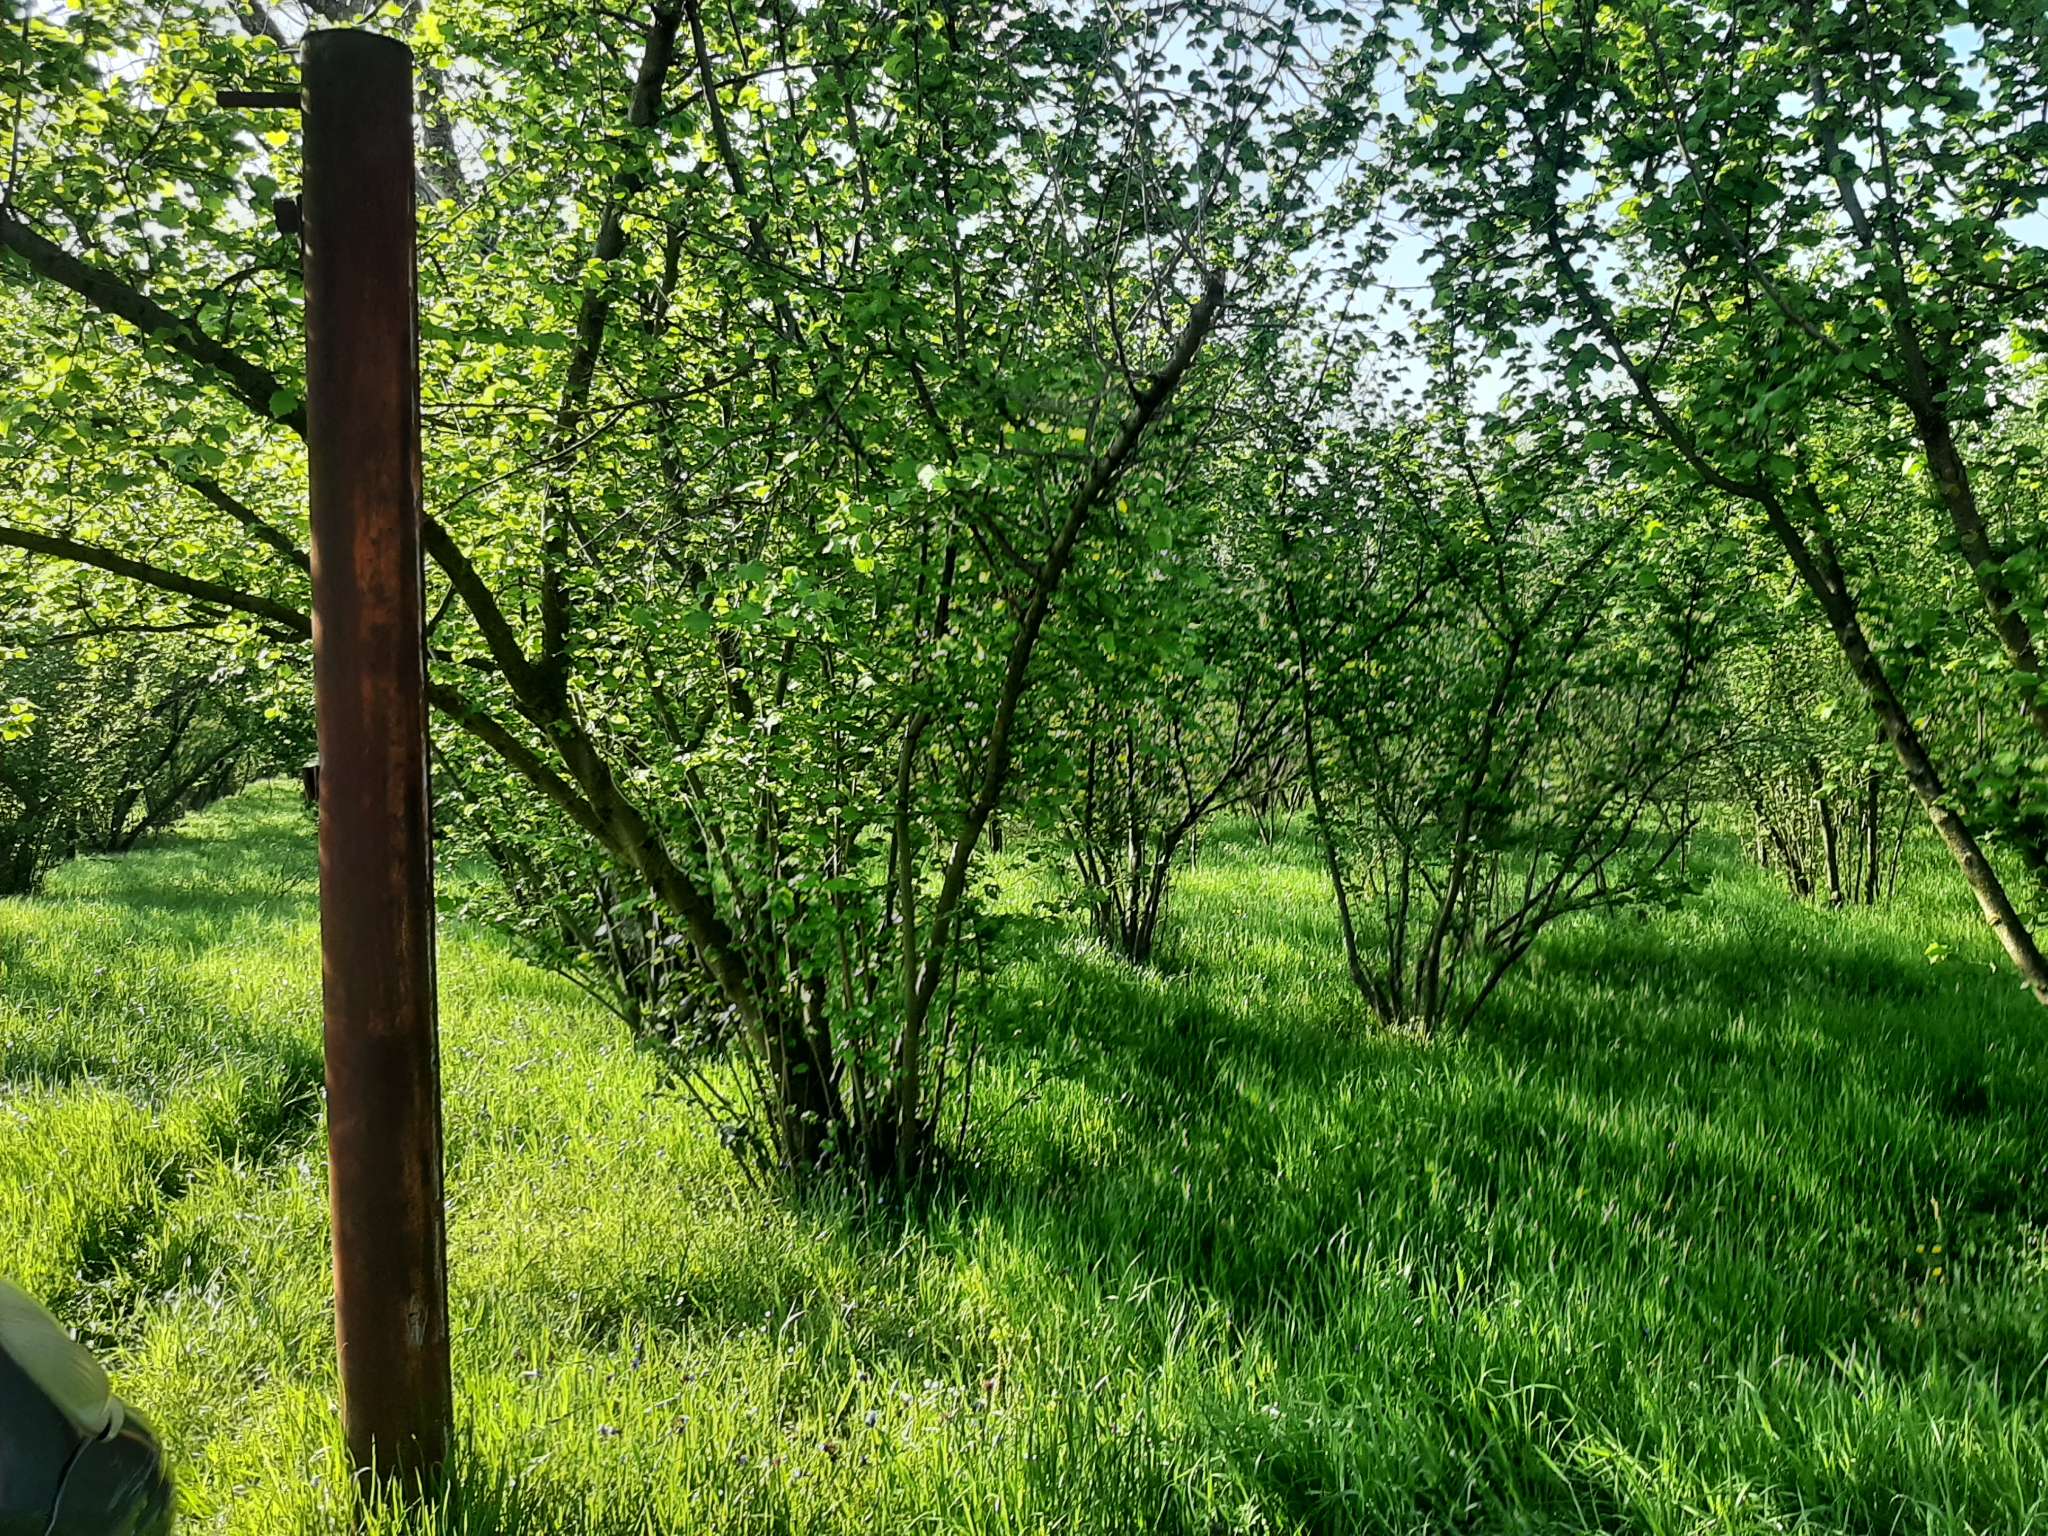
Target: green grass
(1729, 1220)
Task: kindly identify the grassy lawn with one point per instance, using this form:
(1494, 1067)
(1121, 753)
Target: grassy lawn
(1730, 1220)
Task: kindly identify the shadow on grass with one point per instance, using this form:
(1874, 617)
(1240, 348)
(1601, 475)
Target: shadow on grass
(142, 1039)
(1766, 1128)
(1683, 1153)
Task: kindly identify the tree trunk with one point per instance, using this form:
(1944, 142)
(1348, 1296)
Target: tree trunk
(1925, 781)
(1797, 880)
(1891, 887)
(1830, 834)
(1325, 835)
(808, 1112)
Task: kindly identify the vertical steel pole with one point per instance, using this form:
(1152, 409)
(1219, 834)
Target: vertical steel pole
(369, 679)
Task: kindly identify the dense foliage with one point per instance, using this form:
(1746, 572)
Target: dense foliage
(852, 429)
(110, 731)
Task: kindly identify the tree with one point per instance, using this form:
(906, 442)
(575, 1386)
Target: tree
(1762, 222)
(1177, 710)
(1501, 673)
(779, 379)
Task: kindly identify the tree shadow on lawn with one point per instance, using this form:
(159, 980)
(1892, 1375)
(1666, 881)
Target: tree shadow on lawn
(1692, 1153)
(201, 881)
(140, 1035)
(1724, 1150)
(1774, 1157)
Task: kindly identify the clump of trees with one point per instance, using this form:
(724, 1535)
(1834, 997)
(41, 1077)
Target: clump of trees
(1827, 810)
(113, 727)
(849, 425)
(785, 367)
(1771, 250)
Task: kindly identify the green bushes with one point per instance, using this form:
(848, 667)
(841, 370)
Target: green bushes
(104, 744)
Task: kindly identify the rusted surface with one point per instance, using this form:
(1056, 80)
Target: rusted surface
(376, 874)
(258, 100)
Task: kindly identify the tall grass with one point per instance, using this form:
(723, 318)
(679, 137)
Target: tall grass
(1727, 1220)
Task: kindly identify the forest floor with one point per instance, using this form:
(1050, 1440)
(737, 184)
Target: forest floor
(1733, 1219)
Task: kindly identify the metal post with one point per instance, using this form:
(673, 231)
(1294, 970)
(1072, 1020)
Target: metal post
(369, 678)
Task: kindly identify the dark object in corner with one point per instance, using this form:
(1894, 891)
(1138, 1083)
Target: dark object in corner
(309, 782)
(74, 1459)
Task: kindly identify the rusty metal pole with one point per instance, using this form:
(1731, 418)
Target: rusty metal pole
(369, 679)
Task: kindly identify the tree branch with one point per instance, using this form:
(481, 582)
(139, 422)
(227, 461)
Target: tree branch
(1102, 479)
(251, 382)
(592, 318)
(264, 532)
(57, 547)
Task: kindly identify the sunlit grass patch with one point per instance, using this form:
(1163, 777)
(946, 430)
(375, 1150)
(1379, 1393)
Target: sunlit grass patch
(1725, 1220)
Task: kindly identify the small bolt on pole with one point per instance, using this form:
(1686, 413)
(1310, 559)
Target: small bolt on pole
(369, 678)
